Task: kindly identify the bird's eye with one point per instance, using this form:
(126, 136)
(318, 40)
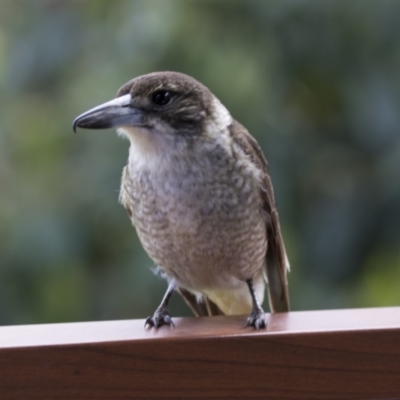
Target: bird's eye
(161, 97)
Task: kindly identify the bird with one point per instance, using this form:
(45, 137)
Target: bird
(197, 188)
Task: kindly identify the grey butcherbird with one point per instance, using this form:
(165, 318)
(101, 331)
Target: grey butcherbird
(198, 191)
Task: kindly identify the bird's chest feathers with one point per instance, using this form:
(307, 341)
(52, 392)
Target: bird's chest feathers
(187, 190)
(170, 198)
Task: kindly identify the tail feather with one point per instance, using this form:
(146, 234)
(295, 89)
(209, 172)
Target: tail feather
(204, 308)
(277, 266)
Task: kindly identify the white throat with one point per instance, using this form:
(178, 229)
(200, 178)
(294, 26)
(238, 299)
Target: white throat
(147, 150)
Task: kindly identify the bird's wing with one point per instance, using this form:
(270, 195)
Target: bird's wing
(277, 263)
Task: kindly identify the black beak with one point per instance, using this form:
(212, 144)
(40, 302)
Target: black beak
(117, 112)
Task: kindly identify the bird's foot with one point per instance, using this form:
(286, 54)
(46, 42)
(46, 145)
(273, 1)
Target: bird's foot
(159, 318)
(256, 319)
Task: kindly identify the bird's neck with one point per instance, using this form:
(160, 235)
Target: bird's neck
(159, 155)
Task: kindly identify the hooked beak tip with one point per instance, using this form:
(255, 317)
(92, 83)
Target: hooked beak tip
(75, 124)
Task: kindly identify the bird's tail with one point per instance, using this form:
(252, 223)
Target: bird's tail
(200, 309)
(277, 266)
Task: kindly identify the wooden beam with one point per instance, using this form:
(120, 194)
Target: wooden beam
(338, 354)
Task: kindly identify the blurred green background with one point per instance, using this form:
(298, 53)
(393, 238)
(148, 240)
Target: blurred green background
(316, 82)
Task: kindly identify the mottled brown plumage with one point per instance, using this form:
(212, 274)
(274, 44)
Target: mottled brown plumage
(198, 191)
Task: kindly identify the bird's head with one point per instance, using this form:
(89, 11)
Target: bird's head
(165, 104)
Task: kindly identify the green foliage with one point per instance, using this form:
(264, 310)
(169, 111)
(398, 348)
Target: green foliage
(316, 82)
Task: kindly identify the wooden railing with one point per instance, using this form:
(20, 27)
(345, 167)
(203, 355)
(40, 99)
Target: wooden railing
(341, 354)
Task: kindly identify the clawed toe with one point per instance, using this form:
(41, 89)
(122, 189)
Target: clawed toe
(256, 320)
(160, 317)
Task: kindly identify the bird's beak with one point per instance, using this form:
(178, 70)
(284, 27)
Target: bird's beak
(117, 112)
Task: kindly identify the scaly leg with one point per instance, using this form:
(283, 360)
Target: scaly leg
(257, 315)
(161, 315)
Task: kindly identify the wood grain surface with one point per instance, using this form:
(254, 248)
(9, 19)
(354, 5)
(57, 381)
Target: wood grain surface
(339, 354)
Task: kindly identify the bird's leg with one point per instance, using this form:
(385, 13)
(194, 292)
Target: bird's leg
(161, 315)
(257, 315)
